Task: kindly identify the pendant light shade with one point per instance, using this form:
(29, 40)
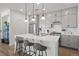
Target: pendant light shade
(26, 18)
(43, 9)
(43, 17)
(33, 18)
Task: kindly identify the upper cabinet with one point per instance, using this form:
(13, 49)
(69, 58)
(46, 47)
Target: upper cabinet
(65, 17)
(69, 17)
(57, 16)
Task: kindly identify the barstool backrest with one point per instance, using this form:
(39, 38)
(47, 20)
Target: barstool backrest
(37, 46)
(26, 42)
(40, 47)
(19, 39)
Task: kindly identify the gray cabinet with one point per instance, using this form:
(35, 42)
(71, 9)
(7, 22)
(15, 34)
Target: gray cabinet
(69, 41)
(69, 17)
(56, 16)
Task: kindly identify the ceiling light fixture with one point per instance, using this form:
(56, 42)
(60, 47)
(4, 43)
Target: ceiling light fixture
(43, 9)
(21, 10)
(38, 3)
(26, 20)
(43, 17)
(33, 18)
(49, 15)
(67, 12)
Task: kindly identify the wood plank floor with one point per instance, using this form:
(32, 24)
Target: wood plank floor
(6, 50)
(64, 51)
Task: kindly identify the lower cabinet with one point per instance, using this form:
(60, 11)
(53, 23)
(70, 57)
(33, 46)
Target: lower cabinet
(70, 41)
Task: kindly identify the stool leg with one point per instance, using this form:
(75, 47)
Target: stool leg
(35, 52)
(20, 48)
(42, 53)
(39, 53)
(45, 52)
(29, 50)
(24, 50)
(19, 53)
(16, 46)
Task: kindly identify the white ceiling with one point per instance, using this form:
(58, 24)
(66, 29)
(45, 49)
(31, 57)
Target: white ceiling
(16, 6)
(48, 6)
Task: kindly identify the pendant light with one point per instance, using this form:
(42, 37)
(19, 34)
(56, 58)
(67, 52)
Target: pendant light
(33, 19)
(43, 9)
(26, 18)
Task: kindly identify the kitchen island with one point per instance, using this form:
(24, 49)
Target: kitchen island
(51, 42)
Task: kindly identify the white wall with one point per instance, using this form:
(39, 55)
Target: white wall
(17, 25)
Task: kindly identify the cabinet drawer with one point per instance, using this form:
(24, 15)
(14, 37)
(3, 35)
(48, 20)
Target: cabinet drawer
(70, 41)
(73, 45)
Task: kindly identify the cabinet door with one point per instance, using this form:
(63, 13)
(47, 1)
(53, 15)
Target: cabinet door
(73, 41)
(64, 40)
(59, 13)
(69, 21)
(73, 10)
(70, 41)
(69, 18)
(65, 21)
(72, 21)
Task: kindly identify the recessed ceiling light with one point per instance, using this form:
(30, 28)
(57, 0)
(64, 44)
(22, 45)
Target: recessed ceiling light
(44, 9)
(38, 3)
(21, 9)
(67, 12)
(49, 15)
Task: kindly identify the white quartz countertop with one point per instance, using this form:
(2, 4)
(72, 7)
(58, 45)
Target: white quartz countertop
(47, 37)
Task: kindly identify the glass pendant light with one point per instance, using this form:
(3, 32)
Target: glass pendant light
(33, 19)
(43, 17)
(26, 18)
(43, 9)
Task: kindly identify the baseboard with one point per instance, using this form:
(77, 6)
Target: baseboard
(70, 48)
(78, 49)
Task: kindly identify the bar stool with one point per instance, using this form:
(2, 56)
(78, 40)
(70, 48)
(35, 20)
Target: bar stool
(28, 44)
(19, 44)
(39, 47)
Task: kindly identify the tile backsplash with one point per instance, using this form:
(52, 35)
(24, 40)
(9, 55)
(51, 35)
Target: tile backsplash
(68, 31)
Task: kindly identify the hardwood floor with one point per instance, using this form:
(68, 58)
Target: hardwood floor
(64, 51)
(6, 50)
